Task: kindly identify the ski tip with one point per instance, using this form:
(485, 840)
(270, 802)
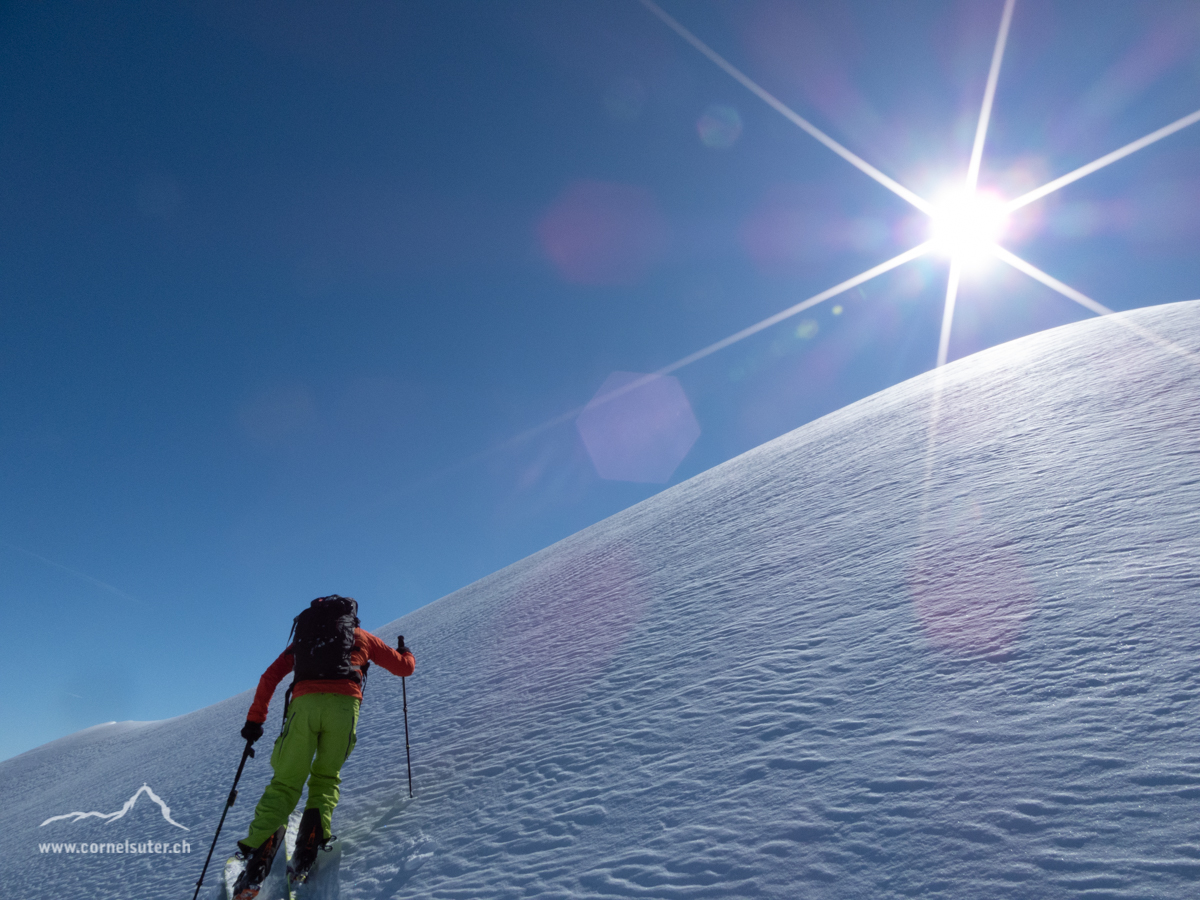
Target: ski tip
(233, 868)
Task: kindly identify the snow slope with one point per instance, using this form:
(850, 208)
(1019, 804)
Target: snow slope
(881, 656)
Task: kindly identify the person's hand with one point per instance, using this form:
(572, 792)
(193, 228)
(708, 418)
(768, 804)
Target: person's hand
(252, 731)
(400, 647)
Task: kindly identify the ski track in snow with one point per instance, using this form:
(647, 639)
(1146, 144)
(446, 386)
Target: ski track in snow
(812, 671)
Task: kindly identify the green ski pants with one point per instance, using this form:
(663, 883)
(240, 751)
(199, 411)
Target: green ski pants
(321, 724)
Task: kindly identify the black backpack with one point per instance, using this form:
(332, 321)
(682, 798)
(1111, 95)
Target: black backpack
(324, 640)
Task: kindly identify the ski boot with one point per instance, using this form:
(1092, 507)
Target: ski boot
(258, 865)
(310, 838)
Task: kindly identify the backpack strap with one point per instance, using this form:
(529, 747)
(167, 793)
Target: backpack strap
(287, 701)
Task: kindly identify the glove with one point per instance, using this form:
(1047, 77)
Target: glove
(400, 647)
(252, 731)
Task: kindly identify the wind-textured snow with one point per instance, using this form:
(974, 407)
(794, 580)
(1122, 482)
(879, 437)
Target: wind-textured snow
(942, 643)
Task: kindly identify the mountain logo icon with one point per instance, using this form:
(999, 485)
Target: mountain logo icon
(113, 816)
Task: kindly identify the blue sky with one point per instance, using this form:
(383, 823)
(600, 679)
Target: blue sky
(280, 283)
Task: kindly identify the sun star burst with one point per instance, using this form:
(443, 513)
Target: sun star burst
(966, 224)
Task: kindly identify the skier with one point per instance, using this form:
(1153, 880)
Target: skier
(330, 655)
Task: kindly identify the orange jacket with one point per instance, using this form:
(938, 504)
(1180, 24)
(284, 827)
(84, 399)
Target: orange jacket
(366, 647)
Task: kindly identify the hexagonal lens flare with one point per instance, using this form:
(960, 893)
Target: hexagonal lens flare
(638, 427)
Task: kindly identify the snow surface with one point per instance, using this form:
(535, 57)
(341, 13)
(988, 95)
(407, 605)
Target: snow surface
(875, 658)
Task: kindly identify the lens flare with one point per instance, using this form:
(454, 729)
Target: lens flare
(966, 224)
(638, 427)
(719, 127)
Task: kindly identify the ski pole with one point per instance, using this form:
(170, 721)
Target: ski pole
(407, 752)
(404, 688)
(246, 754)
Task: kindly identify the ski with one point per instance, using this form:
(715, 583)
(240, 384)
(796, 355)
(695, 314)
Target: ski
(233, 868)
(307, 883)
(271, 885)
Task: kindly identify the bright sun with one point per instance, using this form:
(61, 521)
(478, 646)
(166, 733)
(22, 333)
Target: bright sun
(967, 224)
